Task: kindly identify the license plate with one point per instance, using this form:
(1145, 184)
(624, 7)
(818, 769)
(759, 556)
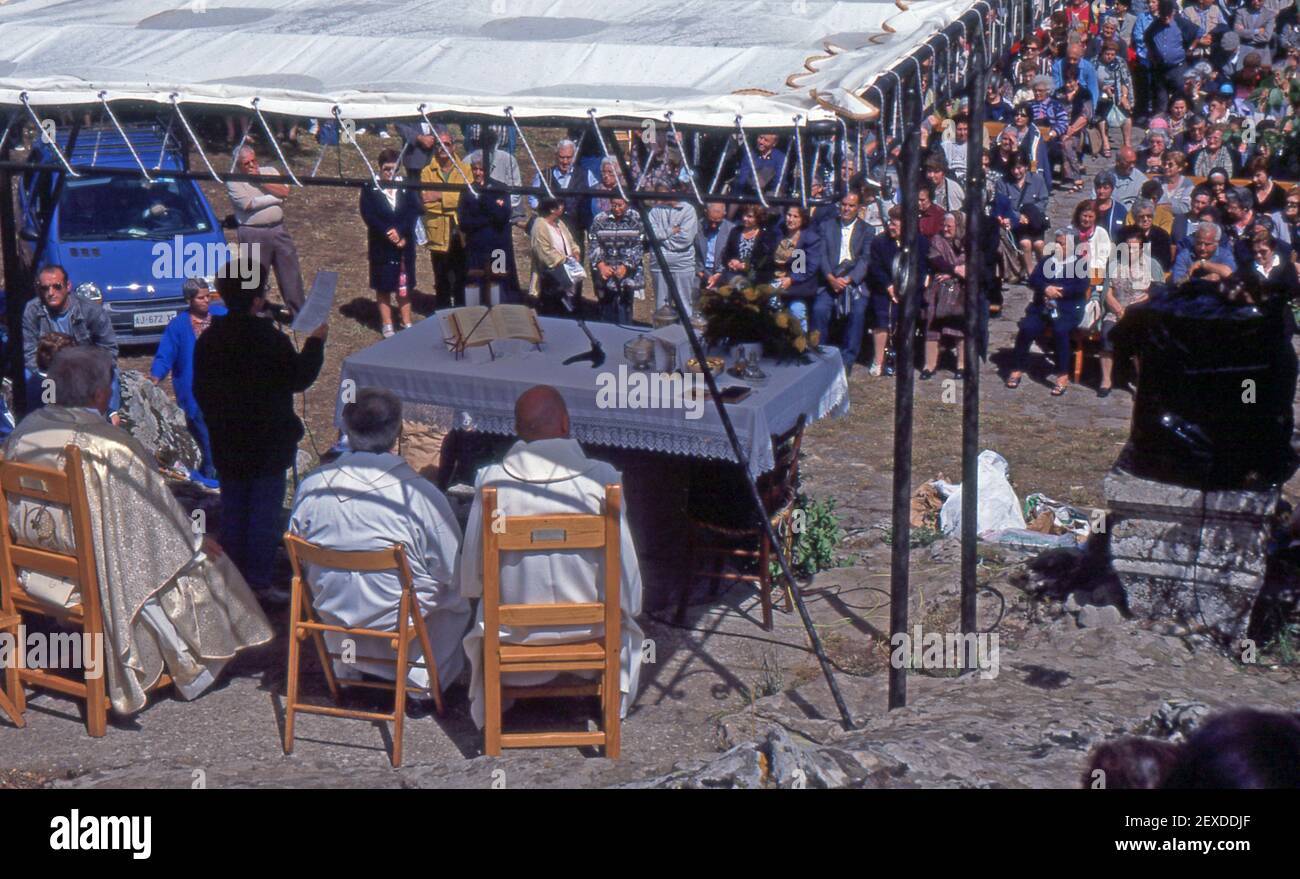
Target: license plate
(151, 319)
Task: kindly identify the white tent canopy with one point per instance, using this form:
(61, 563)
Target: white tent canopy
(706, 61)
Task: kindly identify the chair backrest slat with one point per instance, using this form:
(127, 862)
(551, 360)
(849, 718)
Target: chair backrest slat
(530, 615)
(389, 558)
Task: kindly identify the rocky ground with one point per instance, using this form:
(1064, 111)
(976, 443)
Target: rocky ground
(726, 703)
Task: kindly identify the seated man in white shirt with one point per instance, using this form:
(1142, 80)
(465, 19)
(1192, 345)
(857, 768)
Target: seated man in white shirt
(546, 472)
(369, 498)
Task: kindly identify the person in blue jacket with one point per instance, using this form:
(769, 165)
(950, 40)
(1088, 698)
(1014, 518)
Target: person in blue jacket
(176, 356)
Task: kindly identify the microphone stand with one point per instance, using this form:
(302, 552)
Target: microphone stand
(597, 354)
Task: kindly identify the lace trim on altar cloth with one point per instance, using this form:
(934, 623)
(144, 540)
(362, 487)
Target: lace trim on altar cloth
(833, 403)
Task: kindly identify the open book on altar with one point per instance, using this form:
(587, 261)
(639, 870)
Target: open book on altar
(476, 325)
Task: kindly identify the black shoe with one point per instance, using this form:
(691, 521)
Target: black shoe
(1103, 392)
(889, 369)
(417, 708)
(959, 374)
(927, 374)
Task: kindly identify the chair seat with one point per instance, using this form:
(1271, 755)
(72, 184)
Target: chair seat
(744, 531)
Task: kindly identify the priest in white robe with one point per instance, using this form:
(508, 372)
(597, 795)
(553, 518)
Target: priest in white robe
(546, 472)
(369, 498)
(171, 599)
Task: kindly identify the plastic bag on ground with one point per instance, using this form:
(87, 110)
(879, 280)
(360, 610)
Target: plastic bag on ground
(998, 509)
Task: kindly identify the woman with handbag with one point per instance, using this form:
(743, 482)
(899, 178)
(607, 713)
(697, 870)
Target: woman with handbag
(1060, 283)
(557, 262)
(945, 295)
(1115, 104)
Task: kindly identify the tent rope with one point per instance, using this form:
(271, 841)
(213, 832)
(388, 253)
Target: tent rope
(722, 160)
(442, 146)
(604, 148)
(690, 172)
(270, 135)
(753, 168)
(103, 99)
(541, 175)
(352, 138)
(162, 152)
(9, 123)
(803, 182)
(780, 180)
(941, 84)
(51, 141)
(234, 158)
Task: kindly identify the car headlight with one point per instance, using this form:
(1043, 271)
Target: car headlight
(90, 291)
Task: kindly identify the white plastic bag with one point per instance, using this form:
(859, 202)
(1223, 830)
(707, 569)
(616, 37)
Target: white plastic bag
(998, 505)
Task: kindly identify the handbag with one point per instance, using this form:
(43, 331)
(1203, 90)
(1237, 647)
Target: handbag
(1092, 315)
(574, 269)
(949, 298)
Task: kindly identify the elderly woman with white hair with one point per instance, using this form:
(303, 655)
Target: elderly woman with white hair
(370, 498)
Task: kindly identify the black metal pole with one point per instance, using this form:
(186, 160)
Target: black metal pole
(15, 279)
(367, 183)
(910, 182)
(975, 301)
(697, 348)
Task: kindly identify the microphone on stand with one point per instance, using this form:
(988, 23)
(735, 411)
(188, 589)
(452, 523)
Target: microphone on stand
(597, 354)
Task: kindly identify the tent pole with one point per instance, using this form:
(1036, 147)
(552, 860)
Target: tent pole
(910, 181)
(975, 321)
(697, 348)
(15, 280)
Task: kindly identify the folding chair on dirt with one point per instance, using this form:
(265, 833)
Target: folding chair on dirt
(53, 541)
(304, 623)
(547, 534)
(718, 541)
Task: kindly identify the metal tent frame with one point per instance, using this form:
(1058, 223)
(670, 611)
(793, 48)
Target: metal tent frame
(989, 29)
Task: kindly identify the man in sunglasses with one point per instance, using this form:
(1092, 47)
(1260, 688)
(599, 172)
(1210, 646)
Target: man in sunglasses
(55, 310)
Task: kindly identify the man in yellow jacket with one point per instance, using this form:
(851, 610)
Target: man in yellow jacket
(446, 249)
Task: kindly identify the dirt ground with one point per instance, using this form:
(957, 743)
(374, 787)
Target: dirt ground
(717, 663)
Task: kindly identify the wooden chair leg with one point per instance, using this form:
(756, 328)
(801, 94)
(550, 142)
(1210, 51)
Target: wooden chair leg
(1076, 370)
(295, 659)
(492, 719)
(426, 647)
(765, 581)
(612, 698)
(402, 669)
(12, 701)
(96, 707)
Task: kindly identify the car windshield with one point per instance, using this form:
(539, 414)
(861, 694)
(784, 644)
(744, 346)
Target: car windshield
(106, 208)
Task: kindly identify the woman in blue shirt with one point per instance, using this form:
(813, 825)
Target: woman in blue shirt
(176, 356)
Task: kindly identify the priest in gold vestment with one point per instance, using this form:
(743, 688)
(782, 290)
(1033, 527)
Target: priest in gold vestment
(170, 597)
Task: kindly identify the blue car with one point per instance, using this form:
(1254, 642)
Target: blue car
(126, 242)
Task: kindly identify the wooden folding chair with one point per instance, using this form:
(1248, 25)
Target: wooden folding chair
(553, 533)
(304, 622)
(717, 541)
(67, 489)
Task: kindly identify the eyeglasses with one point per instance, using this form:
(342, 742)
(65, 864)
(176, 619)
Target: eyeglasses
(43, 287)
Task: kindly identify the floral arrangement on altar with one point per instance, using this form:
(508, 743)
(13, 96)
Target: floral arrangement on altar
(742, 312)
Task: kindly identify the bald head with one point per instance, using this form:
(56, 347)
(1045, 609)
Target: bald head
(540, 414)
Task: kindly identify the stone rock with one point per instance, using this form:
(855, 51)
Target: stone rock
(1093, 617)
(1189, 556)
(743, 767)
(150, 416)
(1175, 719)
